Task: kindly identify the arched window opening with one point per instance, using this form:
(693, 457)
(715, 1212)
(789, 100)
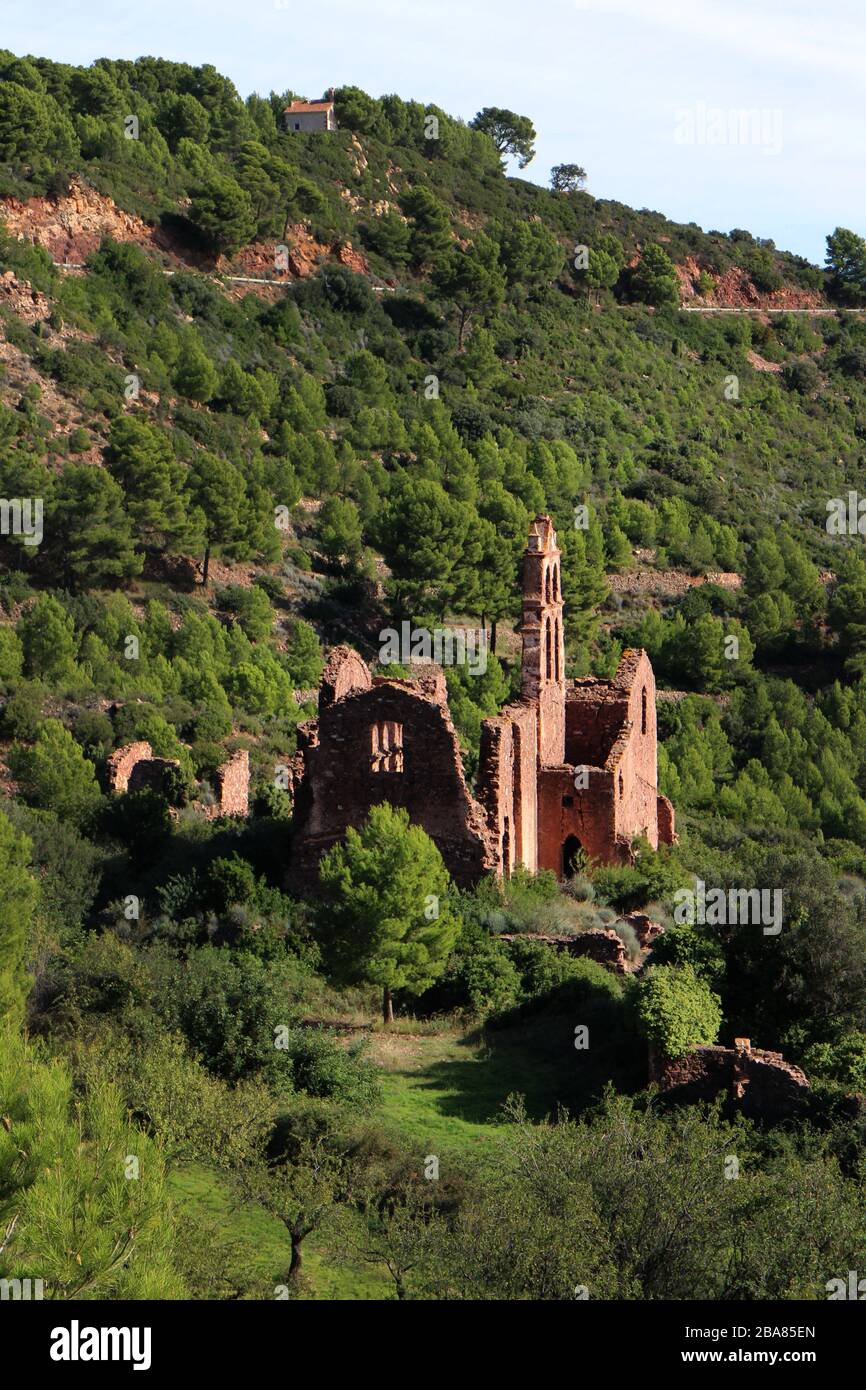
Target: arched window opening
(386, 747)
(548, 644)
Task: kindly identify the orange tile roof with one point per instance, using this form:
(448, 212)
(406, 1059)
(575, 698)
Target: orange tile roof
(310, 106)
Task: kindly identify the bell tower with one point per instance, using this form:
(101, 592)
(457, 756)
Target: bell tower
(543, 670)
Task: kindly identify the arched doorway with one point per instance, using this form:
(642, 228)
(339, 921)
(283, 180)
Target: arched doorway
(570, 851)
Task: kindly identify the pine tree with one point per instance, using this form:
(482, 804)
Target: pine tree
(217, 491)
(18, 902)
(386, 916)
(83, 1197)
(142, 459)
(89, 542)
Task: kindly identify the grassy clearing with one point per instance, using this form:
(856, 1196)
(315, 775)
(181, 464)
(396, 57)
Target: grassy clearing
(443, 1092)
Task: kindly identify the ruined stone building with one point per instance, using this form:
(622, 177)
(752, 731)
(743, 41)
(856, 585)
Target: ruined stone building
(571, 765)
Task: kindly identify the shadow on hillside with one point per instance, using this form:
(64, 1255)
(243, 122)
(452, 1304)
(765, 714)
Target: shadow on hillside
(538, 1061)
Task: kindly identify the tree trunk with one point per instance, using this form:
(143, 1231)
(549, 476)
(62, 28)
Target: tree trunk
(387, 1006)
(493, 638)
(295, 1262)
(205, 569)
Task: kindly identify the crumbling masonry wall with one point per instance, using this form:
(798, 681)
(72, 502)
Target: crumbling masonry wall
(232, 785)
(391, 740)
(760, 1083)
(134, 768)
(119, 765)
(507, 781)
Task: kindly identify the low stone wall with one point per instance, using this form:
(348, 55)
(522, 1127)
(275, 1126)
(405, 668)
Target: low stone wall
(760, 1083)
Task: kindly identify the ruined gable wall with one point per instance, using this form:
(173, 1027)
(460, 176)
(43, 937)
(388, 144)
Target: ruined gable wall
(339, 786)
(345, 671)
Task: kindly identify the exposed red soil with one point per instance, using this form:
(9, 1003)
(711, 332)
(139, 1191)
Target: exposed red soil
(735, 290)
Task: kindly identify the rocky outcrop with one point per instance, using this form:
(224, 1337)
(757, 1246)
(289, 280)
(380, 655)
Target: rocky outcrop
(644, 927)
(19, 296)
(72, 226)
(734, 289)
(600, 944)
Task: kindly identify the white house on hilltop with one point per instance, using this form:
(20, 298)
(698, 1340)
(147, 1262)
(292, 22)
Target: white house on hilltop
(311, 115)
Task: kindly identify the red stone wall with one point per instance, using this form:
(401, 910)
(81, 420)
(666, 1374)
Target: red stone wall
(762, 1084)
(588, 814)
(507, 778)
(339, 784)
(496, 788)
(120, 764)
(233, 785)
(594, 715)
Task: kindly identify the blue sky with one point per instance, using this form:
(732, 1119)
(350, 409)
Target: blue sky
(646, 94)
